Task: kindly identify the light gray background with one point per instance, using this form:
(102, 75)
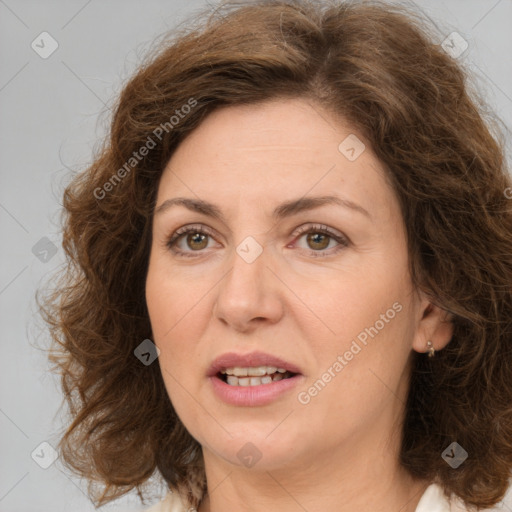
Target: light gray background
(50, 121)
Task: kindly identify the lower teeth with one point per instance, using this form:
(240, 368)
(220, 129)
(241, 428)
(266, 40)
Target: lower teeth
(232, 380)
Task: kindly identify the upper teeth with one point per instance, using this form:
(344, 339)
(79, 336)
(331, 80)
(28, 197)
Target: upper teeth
(253, 371)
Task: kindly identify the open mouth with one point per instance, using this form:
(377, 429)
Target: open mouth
(254, 375)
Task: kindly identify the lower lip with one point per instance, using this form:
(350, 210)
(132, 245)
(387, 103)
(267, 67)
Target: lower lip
(251, 396)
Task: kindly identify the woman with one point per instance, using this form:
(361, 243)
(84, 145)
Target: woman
(289, 274)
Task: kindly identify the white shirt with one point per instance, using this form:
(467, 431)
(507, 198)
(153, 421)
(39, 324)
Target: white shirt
(433, 500)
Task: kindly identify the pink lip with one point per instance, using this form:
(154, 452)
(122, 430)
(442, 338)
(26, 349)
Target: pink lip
(251, 396)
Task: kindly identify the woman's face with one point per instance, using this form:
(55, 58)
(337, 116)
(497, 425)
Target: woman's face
(271, 276)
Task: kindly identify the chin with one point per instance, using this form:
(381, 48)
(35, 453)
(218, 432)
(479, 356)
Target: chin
(255, 449)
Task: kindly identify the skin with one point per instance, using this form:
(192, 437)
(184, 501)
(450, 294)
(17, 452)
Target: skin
(339, 452)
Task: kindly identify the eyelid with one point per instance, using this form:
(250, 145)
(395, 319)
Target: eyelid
(319, 227)
(342, 240)
(201, 228)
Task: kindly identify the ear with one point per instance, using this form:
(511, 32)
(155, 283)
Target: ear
(434, 324)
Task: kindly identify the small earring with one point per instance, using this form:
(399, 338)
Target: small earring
(431, 349)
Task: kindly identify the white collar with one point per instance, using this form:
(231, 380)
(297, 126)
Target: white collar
(433, 500)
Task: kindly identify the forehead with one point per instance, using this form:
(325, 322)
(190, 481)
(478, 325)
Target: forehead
(268, 152)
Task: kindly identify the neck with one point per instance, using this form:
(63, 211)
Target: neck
(351, 479)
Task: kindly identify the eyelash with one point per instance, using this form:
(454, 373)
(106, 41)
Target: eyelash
(316, 228)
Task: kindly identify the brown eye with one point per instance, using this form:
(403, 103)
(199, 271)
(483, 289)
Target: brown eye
(189, 241)
(197, 241)
(318, 241)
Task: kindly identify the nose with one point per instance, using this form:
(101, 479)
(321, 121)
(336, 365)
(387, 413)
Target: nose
(250, 294)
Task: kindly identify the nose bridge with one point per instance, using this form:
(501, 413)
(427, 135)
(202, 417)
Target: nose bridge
(247, 291)
(250, 255)
(248, 268)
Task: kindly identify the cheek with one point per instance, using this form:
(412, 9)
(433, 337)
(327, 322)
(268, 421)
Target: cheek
(353, 302)
(358, 383)
(179, 313)
(170, 298)
(369, 337)
(172, 328)
(170, 309)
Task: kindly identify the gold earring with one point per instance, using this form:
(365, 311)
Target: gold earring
(431, 349)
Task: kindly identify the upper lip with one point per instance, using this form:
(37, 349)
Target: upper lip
(231, 359)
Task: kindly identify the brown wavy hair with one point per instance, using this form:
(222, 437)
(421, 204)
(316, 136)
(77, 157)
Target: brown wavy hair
(376, 66)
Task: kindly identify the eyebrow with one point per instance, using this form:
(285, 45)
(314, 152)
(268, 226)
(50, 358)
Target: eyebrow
(286, 209)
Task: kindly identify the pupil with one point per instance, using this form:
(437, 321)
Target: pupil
(193, 239)
(314, 238)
